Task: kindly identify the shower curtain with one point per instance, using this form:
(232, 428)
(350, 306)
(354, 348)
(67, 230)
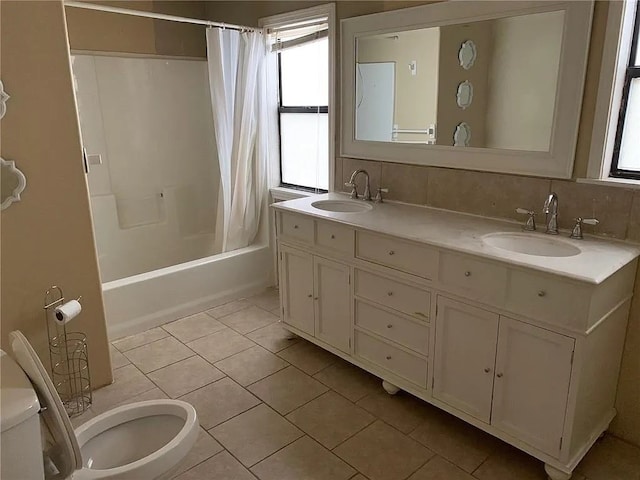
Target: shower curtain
(237, 81)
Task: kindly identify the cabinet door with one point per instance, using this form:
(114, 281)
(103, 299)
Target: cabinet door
(533, 370)
(333, 308)
(296, 282)
(464, 357)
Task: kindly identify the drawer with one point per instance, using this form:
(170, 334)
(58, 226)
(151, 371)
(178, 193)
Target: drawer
(391, 358)
(474, 278)
(296, 227)
(399, 296)
(406, 256)
(410, 334)
(548, 298)
(335, 237)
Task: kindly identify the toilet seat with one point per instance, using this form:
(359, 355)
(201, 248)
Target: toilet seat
(156, 434)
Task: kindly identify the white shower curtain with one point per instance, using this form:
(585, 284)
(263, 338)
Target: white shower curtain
(237, 80)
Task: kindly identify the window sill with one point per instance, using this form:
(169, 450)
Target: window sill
(611, 182)
(284, 193)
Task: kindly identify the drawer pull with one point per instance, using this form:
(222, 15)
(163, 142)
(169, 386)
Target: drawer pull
(499, 375)
(332, 237)
(487, 370)
(389, 326)
(388, 357)
(542, 293)
(467, 273)
(390, 294)
(295, 226)
(391, 252)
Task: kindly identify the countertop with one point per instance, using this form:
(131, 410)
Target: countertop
(461, 232)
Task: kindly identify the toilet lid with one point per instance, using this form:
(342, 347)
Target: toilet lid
(65, 452)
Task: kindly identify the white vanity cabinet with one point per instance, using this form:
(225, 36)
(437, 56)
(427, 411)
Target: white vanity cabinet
(526, 354)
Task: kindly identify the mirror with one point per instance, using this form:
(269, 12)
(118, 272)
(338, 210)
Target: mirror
(4, 96)
(12, 183)
(417, 82)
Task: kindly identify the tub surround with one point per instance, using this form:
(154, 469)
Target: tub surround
(415, 296)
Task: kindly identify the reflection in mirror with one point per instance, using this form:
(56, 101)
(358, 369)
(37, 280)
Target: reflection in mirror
(4, 96)
(12, 183)
(410, 84)
(462, 135)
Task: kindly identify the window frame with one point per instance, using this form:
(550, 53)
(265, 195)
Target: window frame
(275, 169)
(631, 71)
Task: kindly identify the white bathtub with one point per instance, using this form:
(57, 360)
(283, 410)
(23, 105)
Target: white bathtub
(143, 301)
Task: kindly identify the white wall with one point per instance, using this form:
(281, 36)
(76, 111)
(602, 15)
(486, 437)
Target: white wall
(522, 78)
(154, 197)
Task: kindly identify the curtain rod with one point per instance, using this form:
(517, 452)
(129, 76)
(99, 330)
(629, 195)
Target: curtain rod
(157, 16)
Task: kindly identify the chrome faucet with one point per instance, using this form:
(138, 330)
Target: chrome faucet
(352, 183)
(551, 210)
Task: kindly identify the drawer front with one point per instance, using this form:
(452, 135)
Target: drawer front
(402, 297)
(547, 298)
(335, 237)
(409, 257)
(400, 330)
(474, 278)
(296, 227)
(391, 358)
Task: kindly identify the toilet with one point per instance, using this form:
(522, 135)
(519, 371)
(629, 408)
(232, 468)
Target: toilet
(143, 440)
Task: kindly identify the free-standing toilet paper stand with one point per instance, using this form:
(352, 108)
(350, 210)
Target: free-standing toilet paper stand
(68, 353)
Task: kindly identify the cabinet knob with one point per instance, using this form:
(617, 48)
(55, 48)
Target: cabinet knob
(310, 295)
(295, 226)
(389, 326)
(487, 370)
(499, 375)
(388, 357)
(315, 298)
(467, 273)
(542, 293)
(389, 294)
(391, 252)
(332, 237)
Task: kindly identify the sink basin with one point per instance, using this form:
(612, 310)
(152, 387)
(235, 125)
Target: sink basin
(531, 244)
(342, 206)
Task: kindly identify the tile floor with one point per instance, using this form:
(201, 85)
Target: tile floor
(275, 407)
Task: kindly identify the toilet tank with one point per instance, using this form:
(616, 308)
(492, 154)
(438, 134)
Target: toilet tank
(20, 441)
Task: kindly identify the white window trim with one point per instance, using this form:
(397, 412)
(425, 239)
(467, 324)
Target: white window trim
(275, 21)
(615, 54)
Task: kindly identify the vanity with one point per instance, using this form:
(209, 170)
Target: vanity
(520, 334)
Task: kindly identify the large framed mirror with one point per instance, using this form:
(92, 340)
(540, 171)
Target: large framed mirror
(511, 73)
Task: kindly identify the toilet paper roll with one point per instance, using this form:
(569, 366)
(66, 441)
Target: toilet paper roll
(67, 311)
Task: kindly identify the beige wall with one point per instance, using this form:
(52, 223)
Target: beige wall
(47, 237)
(111, 32)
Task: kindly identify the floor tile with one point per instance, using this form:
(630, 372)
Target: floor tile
(133, 341)
(255, 434)
(193, 327)
(457, 441)
(205, 447)
(153, 394)
(273, 337)
(249, 319)
(330, 419)
(220, 345)
(382, 453)
(117, 359)
(402, 410)
(507, 462)
(440, 469)
(287, 390)
(304, 459)
(359, 476)
(349, 381)
(251, 365)
(220, 467)
(220, 401)
(269, 299)
(158, 354)
(128, 382)
(307, 357)
(185, 376)
(228, 308)
(611, 459)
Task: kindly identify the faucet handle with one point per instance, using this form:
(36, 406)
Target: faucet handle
(530, 225)
(576, 233)
(354, 190)
(378, 198)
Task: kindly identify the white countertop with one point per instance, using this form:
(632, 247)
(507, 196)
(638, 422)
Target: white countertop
(461, 232)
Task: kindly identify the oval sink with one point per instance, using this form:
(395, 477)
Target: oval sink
(342, 206)
(529, 244)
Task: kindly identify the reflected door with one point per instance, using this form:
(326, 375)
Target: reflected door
(375, 97)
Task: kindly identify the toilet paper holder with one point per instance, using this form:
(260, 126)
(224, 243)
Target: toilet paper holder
(69, 357)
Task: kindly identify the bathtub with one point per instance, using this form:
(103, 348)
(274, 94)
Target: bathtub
(143, 301)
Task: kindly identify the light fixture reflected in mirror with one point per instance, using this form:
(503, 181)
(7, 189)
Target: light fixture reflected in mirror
(12, 183)
(467, 54)
(464, 96)
(4, 96)
(462, 135)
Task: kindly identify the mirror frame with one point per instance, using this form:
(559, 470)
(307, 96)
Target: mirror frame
(555, 163)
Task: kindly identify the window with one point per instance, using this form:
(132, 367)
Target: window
(301, 90)
(626, 153)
